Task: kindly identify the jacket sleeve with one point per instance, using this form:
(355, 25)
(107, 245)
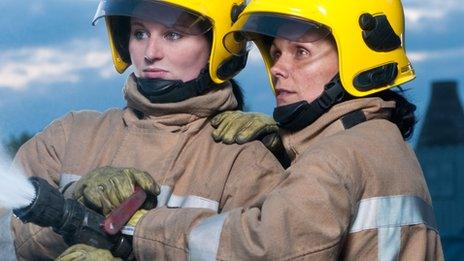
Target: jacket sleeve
(306, 214)
(321, 212)
(317, 213)
(162, 233)
(41, 156)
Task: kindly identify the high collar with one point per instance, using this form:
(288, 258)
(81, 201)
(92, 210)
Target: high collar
(179, 113)
(329, 123)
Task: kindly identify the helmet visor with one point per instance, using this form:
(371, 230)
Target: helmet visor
(168, 15)
(259, 26)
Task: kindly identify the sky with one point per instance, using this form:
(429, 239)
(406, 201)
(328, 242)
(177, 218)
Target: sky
(52, 61)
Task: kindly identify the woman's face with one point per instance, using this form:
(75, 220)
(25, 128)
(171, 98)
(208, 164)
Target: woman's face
(301, 70)
(160, 52)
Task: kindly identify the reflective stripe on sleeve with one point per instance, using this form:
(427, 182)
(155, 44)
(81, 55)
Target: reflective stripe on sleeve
(166, 198)
(393, 211)
(388, 215)
(162, 198)
(203, 241)
(192, 201)
(388, 245)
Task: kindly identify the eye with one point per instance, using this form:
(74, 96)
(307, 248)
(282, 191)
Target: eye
(140, 34)
(275, 55)
(301, 52)
(173, 36)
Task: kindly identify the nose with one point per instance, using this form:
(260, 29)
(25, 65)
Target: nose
(280, 68)
(153, 51)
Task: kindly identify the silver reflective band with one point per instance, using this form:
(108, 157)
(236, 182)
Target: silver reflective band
(166, 198)
(203, 241)
(388, 215)
(192, 202)
(389, 243)
(165, 193)
(67, 178)
(393, 211)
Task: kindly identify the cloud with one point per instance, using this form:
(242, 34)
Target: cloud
(22, 68)
(430, 14)
(446, 54)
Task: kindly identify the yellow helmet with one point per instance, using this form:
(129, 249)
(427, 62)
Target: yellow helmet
(369, 35)
(192, 16)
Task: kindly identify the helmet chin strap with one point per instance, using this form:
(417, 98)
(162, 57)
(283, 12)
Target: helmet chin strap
(298, 115)
(169, 91)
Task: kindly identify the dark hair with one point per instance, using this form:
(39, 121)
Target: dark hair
(238, 93)
(403, 114)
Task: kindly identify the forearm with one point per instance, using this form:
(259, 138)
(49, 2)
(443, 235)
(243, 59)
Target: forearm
(36, 243)
(162, 233)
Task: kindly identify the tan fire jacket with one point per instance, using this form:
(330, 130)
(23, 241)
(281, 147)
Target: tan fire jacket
(355, 191)
(172, 142)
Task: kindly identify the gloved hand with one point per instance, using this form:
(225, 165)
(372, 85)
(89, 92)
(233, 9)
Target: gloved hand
(241, 127)
(105, 188)
(81, 252)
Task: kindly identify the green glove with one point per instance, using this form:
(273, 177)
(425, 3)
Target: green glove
(105, 188)
(241, 127)
(81, 252)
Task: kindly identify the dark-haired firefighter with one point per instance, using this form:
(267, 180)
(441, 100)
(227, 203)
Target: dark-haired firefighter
(162, 140)
(355, 189)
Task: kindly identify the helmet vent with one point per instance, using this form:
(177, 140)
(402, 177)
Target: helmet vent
(378, 33)
(236, 11)
(377, 77)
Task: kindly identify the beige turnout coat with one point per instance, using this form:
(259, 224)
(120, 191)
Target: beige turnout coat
(172, 142)
(355, 191)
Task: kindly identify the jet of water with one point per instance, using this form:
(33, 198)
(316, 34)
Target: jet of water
(16, 191)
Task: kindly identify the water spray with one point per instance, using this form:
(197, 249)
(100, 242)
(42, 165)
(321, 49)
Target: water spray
(34, 200)
(15, 190)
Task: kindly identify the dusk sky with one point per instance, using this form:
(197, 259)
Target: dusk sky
(53, 61)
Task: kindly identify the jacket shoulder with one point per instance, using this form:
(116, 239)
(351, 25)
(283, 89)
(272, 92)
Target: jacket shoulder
(92, 117)
(81, 124)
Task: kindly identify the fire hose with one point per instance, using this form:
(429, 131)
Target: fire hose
(79, 224)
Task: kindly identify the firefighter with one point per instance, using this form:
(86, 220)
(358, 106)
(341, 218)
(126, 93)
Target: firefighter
(180, 80)
(355, 189)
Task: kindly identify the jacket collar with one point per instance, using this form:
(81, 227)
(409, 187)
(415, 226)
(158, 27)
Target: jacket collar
(145, 114)
(329, 123)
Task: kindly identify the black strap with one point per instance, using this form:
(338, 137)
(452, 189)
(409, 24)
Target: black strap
(298, 115)
(170, 91)
(353, 118)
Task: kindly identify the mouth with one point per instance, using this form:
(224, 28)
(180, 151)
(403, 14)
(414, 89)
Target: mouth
(282, 95)
(283, 92)
(154, 73)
